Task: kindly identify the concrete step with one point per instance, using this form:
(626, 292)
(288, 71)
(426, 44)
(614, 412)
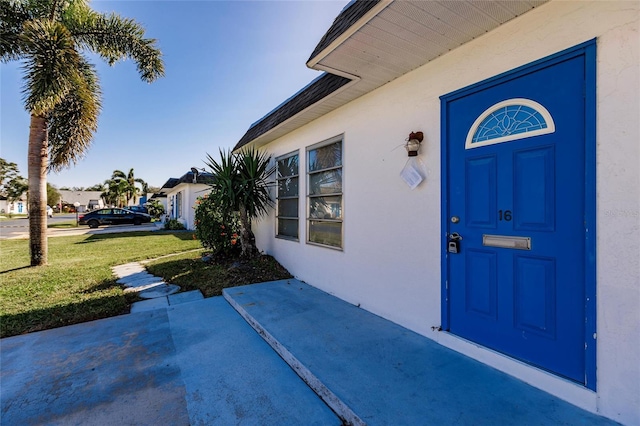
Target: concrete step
(166, 301)
(372, 371)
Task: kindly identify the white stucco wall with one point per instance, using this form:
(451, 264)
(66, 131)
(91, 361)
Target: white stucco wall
(390, 264)
(190, 193)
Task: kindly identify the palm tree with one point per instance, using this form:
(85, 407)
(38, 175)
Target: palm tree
(132, 190)
(116, 192)
(240, 185)
(61, 91)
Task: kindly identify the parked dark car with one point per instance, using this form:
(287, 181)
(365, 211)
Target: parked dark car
(138, 209)
(112, 216)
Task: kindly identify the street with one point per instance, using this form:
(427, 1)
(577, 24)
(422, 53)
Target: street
(19, 227)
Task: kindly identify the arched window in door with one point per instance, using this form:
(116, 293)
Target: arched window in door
(510, 120)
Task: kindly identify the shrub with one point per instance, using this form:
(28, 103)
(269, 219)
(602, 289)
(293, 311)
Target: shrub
(216, 228)
(173, 225)
(156, 209)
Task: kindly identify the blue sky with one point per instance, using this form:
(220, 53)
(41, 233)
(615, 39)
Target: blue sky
(228, 63)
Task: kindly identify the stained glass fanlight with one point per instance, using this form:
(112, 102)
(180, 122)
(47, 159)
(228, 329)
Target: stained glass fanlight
(508, 121)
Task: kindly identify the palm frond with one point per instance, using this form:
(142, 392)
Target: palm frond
(52, 65)
(74, 121)
(13, 15)
(254, 168)
(143, 184)
(224, 185)
(115, 38)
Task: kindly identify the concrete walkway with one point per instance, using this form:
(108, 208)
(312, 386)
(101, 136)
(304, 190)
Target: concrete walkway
(201, 363)
(195, 363)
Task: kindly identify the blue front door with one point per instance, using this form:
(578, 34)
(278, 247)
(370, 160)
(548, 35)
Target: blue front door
(515, 194)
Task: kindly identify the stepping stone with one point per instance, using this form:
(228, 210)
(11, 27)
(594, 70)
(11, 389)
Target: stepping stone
(144, 283)
(136, 280)
(145, 287)
(159, 291)
(127, 269)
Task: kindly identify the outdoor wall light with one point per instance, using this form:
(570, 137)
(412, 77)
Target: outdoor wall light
(414, 171)
(413, 143)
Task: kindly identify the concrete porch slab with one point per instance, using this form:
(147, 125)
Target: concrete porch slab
(372, 371)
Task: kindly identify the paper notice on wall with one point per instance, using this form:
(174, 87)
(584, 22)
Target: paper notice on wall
(412, 173)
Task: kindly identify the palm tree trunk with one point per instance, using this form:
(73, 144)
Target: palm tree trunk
(247, 238)
(37, 195)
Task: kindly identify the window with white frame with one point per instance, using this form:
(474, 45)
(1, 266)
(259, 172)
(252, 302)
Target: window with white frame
(287, 205)
(178, 205)
(324, 193)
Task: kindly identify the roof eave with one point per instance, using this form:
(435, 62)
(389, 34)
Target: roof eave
(321, 52)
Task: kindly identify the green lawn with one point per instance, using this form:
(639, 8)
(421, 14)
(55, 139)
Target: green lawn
(63, 225)
(78, 284)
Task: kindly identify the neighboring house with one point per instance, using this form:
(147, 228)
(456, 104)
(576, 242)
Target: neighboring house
(529, 111)
(88, 200)
(16, 207)
(181, 195)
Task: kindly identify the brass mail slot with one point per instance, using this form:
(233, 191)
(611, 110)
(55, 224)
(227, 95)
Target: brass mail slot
(504, 241)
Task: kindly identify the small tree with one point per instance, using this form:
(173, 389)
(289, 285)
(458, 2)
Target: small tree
(240, 186)
(155, 208)
(217, 228)
(53, 196)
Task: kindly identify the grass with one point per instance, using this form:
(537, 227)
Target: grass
(63, 225)
(78, 284)
(7, 216)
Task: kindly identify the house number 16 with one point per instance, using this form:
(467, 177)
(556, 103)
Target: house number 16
(505, 215)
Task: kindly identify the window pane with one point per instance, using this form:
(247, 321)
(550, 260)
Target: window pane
(288, 208)
(328, 233)
(288, 187)
(325, 208)
(329, 182)
(288, 228)
(288, 166)
(325, 157)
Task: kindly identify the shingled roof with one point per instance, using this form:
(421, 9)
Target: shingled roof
(314, 92)
(318, 89)
(203, 177)
(349, 16)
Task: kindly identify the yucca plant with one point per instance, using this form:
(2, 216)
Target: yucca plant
(240, 185)
(61, 88)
